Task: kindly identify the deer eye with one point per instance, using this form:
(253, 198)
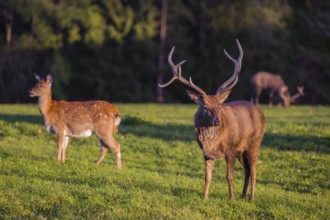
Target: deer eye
(205, 108)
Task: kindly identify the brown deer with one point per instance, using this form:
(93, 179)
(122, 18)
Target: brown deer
(225, 130)
(274, 84)
(77, 119)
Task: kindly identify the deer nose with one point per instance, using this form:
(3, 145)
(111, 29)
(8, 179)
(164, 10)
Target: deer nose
(30, 92)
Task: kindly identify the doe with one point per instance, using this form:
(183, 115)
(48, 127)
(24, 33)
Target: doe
(225, 130)
(77, 119)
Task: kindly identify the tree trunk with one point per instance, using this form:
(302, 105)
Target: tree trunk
(9, 33)
(163, 16)
(201, 39)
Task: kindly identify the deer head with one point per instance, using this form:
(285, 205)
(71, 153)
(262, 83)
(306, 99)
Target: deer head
(285, 95)
(42, 87)
(209, 105)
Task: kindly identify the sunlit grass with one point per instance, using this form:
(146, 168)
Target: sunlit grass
(163, 169)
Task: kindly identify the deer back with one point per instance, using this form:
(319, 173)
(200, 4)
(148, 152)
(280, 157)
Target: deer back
(266, 80)
(81, 118)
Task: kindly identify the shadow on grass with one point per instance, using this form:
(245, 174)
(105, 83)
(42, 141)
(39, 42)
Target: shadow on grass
(167, 132)
(306, 143)
(318, 121)
(11, 118)
(176, 132)
(130, 124)
(170, 132)
(191, 173)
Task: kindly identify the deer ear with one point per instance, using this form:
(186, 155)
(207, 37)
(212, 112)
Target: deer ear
(194, 96)
(37, 77)
(223, 96)
(49, 78)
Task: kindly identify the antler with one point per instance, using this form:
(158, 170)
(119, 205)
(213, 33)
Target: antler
(37, 77)
(300, 93)
(231, 82)
(176, 69)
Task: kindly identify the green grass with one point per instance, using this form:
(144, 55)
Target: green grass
(163, 169)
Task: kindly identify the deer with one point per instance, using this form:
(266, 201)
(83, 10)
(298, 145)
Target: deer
(77, 119)
(228, 131)
(274, 84)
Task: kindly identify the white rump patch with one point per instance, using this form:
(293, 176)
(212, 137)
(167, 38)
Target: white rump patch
(117, 120)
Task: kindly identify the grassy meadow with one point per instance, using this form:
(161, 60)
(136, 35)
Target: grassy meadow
(163, 169)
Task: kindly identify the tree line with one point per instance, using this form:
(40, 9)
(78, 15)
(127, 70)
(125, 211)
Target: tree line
(117, 50)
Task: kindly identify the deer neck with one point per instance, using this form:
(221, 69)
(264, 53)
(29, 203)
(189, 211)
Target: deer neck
(45, 102)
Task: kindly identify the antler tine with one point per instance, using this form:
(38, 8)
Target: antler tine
(231, 82)
(37, 77)
(193, 84)
(299, 94)
(176, 69)
(168, 83)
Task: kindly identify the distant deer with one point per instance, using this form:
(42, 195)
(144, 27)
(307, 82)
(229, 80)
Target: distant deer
(225, 130)
(274, 84)
(77, 119)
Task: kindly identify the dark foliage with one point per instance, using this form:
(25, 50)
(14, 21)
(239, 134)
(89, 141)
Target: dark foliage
(109, 49)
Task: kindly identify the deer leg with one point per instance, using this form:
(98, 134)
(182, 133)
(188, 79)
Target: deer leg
(247, 173)
(256, 96)
(271, 95)
(256, 101)
(104, 150)
(209, 165)
(253, 170)
(64, 146)
(110, 142)
(60, 147)
(230, 169)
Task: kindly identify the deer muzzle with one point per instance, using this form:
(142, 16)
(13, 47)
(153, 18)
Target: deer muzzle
(215, 122)
(31, 93)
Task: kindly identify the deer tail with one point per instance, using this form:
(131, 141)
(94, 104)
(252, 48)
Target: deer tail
(117, 123)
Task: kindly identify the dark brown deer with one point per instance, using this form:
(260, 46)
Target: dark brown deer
(225, 130)
(77, 119)
(273, 84)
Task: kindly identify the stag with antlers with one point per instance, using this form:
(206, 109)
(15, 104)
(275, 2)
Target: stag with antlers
(273, 84)
(225, 130)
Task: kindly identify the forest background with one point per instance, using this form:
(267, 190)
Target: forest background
(117, 50)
